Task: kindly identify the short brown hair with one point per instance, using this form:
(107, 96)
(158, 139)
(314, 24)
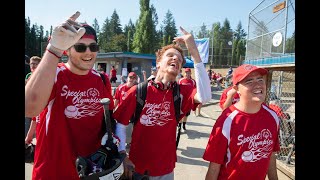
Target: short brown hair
(35, 58)
(161, 51)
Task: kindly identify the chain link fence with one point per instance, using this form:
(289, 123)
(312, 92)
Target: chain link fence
(271, 29)
(281, 98)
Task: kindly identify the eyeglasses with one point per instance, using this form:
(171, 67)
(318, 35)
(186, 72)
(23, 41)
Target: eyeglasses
(132, 77)
(82, 47)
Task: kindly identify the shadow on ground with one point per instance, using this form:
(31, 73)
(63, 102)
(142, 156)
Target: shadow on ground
(197, 124)
(192, 153)
(195, 134)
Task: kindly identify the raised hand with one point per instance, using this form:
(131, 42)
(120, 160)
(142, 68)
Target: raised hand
(188, 40)
(66, 34)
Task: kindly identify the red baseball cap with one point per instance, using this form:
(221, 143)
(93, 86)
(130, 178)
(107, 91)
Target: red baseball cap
(132, 74)
(187, 70)
(244, 70)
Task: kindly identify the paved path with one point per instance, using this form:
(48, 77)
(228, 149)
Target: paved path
(190, 165)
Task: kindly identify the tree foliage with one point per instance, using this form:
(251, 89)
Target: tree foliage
(227, 46)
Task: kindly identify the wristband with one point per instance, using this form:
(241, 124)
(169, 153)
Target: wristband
(54, 51)
(53, 54)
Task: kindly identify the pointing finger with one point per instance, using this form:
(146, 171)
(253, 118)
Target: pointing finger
(75, 16)
(184, 31)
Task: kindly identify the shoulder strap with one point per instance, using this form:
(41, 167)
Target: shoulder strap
(177, 101)
(103, 78)
(141, 94)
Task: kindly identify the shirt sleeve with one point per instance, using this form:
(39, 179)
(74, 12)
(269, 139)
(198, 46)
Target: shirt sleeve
(217, 144)
(117, 93)
(223, 98)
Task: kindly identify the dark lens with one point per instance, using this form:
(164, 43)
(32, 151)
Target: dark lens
(80, 47)
(94, 47)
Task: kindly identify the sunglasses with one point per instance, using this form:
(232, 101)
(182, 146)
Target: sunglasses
(132, 77)
(82, 47)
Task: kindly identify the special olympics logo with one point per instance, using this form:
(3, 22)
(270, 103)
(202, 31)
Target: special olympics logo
(248, 67)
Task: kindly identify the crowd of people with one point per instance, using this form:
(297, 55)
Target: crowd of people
(64, 99)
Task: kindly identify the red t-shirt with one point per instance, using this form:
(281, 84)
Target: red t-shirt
(185, 81)
(223, 97)
(153, 144)
(121, 92)
(243, 143)
(278, 110)
(113, 73)
(70, 124)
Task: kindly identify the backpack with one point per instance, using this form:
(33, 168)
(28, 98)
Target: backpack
(141, 94)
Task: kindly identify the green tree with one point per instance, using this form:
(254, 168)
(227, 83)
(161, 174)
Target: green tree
(203, 33)
(96, 26)
(129, 31)
(169, 30)
(290, 44)
(104, 35)
(238, 45)
(144, 36)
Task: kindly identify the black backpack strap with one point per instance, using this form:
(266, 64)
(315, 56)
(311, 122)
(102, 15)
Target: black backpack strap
(103, 78)
(177, 101)
(177, 107)
(141, 94)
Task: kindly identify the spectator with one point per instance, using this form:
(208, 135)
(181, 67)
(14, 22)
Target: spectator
(186, 81)
(30, 123)
(121, 91)
(153, 144)
(244, 139)
(26, 65)
(113, 73)
(210, 74)
(67, 97)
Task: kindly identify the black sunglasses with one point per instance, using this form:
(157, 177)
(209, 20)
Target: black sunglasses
(82, 47)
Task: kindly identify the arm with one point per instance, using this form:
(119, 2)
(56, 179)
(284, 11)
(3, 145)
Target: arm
(39, 87)
(116, 101)
(128, 165)
(144, 76)
(30, 134)
(213, 171)
(40, 84)
(203, 94)
(229, 99)
(272, 170)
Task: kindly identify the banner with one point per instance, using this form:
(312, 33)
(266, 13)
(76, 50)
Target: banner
(203, 48)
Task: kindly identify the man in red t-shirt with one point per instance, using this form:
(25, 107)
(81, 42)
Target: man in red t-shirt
(187, 80)
(113, 73)
(244, 139)
(153, 143)
(121, 91)
(67, 97)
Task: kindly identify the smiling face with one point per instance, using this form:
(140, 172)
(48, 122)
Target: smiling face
(253, 88)
(81, 62)
(170, 62)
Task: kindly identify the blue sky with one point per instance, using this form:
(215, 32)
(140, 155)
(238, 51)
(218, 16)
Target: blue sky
(190, 14)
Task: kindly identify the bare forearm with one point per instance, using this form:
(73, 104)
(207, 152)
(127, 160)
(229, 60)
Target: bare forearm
(213, 171)
(39, 86)
(272, 170)
(228, 102)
